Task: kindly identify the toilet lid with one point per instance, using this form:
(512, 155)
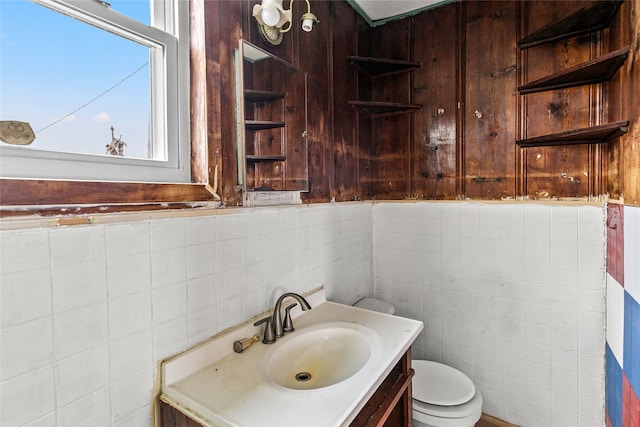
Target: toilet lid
(440, 384)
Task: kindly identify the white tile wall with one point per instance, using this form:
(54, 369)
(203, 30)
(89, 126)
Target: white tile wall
(87, 311)
(512, 294)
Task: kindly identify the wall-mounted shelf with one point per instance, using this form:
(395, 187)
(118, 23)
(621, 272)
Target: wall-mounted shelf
(262, 124)
(263, 159)
(378, 67)
(598, 70)
(375, 68)
(375, 108)
(596, 16)
(271, 126)
(253, 95)
(591, 135)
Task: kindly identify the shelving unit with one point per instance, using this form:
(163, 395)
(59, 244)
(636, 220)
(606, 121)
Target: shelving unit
(376, 68)
(598, 70)
(271, 127)
(590, 135)
(377, 108)
(596, 16)
(263, 96)
(258, 159)
(253, 95)
(262, 124)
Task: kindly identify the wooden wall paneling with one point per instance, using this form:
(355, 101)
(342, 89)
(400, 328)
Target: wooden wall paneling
(630, 94)
(390, 145)
(560, 171)
(294, 170)
(461, 12)
(316, 58)
(365, 156)
(346, 154)
(434, 134)
(296, 151)
(222, 32)
(364, 122)
(198, 88)
(521, 110)
(619, 36)
(490, 99)
(623, 154)
(250, 136)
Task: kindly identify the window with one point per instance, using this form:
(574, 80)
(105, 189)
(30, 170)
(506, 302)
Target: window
(105, 88)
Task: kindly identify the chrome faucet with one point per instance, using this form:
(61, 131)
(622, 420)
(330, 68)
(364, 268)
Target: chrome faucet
(275, 327)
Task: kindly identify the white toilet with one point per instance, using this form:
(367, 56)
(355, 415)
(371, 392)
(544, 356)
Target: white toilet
(442, 395)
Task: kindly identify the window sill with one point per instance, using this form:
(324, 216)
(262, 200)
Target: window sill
(19, 197)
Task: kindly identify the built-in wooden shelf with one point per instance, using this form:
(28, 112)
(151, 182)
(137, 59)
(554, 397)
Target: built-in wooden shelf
(263, 159)
(378, 67)
(595, 16)
(376, 108)
(591, 135)
(597, 70)
(253, 95)
(262, 124)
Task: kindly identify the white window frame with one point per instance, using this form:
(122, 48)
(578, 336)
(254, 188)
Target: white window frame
(168, 39)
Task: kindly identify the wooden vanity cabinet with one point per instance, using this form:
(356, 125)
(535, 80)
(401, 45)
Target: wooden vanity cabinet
(172, 417)
(390, 405)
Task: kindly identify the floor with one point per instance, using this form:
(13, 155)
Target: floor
(485, 423)
(488, 421)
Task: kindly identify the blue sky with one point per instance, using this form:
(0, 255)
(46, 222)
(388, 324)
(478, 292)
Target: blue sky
(52, 65)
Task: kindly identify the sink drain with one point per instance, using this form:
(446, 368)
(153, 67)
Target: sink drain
(303, 376)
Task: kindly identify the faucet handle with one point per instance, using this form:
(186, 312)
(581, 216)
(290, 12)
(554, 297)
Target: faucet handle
(287, 324)
(269, 336)
(241, 345)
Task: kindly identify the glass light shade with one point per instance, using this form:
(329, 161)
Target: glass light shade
(270, 16)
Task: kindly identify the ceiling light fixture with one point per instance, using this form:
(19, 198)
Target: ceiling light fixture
(273, 19)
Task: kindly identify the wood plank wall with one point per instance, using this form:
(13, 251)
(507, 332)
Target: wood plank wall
(461, 144)
(623, 155)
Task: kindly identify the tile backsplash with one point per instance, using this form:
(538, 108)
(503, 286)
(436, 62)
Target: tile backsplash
(511, 294)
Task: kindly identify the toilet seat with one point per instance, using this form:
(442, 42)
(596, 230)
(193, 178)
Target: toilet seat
(440, 384)
(444, 392)
(471, 409)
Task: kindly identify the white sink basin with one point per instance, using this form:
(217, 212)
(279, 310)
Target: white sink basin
(347, 351)
(318, 356)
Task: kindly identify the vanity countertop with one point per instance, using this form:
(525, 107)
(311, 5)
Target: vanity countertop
(217, 387)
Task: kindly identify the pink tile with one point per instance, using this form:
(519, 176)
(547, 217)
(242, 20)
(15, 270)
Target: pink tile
(630, 405)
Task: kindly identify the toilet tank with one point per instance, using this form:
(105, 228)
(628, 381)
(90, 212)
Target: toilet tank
(375, 305)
